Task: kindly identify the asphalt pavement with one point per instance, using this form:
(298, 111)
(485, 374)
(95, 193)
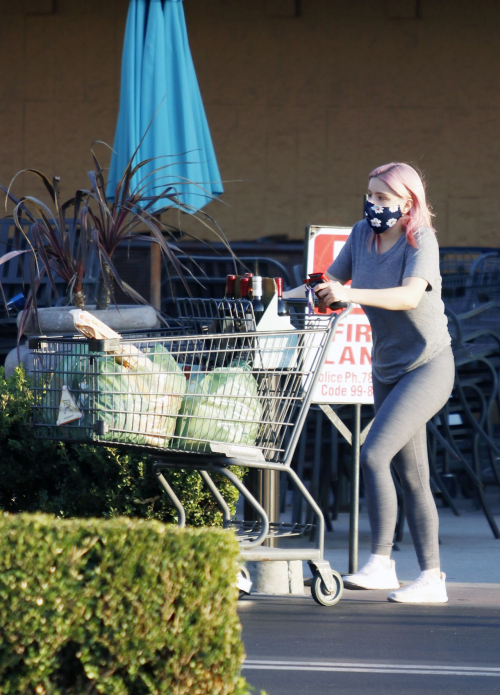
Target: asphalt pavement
(365, 645)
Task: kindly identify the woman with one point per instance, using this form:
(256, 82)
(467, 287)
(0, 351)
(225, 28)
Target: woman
(392, 258)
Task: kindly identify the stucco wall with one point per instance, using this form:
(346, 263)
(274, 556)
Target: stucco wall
(300, 108)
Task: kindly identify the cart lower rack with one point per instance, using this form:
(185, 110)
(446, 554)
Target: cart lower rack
(205, 393)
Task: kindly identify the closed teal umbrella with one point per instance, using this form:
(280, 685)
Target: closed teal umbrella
(158, 80)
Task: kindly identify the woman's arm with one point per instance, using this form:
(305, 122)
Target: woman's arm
(300, 291)
(394, 298)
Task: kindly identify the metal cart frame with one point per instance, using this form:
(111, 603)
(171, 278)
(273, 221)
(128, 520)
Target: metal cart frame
(327, 584)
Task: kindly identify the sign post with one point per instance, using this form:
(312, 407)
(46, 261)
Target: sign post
(346, 376)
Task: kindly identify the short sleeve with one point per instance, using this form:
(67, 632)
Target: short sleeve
(341, 268)
(423, 261)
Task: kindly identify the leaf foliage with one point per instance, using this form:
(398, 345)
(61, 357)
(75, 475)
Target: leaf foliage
(66, 236)
(118, 607)
(79, 480)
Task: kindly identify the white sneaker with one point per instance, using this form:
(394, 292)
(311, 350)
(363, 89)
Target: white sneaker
(425, 589)
(374, 575)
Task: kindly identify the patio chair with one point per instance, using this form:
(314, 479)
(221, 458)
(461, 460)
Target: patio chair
(458, 260)
(463, 442)
(465, 291)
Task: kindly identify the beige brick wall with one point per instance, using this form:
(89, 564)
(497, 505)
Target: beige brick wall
(300, 108)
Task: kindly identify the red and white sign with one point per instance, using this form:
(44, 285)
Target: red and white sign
(347, 375)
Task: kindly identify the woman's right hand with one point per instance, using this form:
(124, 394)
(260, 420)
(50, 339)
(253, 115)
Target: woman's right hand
(330, 293)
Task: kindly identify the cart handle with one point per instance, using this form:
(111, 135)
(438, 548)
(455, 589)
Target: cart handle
(304, 303)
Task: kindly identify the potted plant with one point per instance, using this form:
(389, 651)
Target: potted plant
(71, 239)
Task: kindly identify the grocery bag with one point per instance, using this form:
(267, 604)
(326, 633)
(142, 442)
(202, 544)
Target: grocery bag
(220, 406)
(136, 399)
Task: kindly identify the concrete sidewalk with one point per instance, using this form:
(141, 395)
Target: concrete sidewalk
(469, 551)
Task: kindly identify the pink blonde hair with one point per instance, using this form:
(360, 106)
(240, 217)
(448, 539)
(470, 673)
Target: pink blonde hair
(406, 182)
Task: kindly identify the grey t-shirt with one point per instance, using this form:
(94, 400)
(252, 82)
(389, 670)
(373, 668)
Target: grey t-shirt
(402, 340)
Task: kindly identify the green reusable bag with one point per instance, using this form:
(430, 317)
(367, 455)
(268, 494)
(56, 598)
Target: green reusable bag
(137, 406)
(221, 406)
(118, 403)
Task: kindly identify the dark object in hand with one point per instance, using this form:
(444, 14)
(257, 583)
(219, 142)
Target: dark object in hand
(316, 279)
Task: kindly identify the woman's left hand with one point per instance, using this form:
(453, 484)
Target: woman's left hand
(331, 292)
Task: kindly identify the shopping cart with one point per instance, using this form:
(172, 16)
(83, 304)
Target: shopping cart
(205, 393)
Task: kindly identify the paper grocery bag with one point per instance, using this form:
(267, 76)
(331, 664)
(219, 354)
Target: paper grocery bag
(126, 354)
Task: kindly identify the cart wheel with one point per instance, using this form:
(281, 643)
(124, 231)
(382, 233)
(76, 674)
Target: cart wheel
(320, 594)
(244, 571)
(243, 582)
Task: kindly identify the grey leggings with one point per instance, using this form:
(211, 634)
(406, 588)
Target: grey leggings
(398, 435)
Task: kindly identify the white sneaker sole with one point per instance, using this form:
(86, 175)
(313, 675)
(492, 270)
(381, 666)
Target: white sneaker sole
(429, 599)
(352, 586)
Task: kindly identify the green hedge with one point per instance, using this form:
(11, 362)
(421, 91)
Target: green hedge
(71, 480)
(119, 607)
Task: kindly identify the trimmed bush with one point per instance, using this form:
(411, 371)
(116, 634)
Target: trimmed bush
(118, 607)
(76, 480)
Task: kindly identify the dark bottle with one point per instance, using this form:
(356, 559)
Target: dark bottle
(245, 284)
(257, 304)
(247, 316)
(282, 307)
(230, 287)
(226, 308)
(227, 321)
(243, 308)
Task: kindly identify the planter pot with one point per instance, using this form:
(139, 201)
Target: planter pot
(58, 321)
(125, 317)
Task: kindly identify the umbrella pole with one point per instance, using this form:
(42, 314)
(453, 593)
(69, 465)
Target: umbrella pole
(155, 287)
